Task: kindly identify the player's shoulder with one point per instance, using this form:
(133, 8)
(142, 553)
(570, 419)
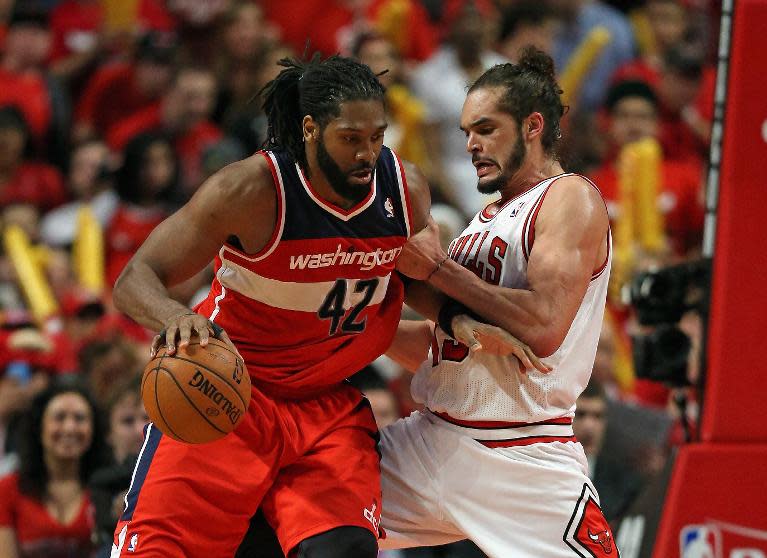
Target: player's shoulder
(243, 181)
(573, 187)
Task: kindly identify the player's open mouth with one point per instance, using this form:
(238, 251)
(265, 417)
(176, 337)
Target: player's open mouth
(362, 177)
(483, 168)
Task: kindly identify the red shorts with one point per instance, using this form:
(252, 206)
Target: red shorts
(311, 465)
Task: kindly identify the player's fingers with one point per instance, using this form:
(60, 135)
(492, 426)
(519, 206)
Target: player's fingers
(184, 334)
(204, 333)
(170, 338)
(538, 363)
(520, 353)
(155, 345)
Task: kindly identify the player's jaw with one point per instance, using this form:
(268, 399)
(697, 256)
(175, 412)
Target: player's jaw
(353, 184)
(492, 176)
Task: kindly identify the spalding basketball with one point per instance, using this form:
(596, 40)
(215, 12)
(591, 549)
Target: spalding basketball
(197, 395)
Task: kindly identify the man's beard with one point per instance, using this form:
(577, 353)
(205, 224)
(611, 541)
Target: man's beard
(513, 164)
(338, 179)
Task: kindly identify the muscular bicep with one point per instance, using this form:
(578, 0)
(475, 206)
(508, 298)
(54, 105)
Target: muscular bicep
(570, 244)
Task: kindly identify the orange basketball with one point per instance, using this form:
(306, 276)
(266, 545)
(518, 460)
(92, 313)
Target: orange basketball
(197, 395)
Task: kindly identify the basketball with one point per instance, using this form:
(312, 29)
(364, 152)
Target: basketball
(197, 395)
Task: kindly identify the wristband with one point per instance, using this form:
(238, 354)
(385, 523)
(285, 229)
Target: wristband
(450, 310)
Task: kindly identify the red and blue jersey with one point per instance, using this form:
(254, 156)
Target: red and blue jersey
(319, 301)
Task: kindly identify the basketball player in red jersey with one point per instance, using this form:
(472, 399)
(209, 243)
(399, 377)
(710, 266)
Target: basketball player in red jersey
(535, 263)
(305, 236)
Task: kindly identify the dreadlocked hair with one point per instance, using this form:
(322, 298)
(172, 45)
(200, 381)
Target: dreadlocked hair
(530, 86)
(313, 87)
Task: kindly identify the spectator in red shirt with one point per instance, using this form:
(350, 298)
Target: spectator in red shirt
(45, 508)
(23, 77)
(145, 184)
(23, 181)
(119, 90)
(633, 115)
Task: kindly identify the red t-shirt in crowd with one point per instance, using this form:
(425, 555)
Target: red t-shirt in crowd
(29, 93)
(329, 26)
(37, 533)
(36, 183)
(128, 229)
(679, 200)
(75, 24)
(111, 96)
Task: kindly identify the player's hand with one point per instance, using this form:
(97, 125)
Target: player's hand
(422, 253)
(179, 330)
(480, 336)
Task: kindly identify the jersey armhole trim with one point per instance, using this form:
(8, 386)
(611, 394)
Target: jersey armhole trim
(279, 226)
(404, 193)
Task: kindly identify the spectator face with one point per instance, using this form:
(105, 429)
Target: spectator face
(493, 138)
(195, 95)
(159, 167)
(384, 406)
(28, 45)
(470, 30)
(244, 36)
(12, 141)
(633, 119)
(126, 426)
(152, 78)
(590, 423)
(85, 167)
(67, 427)
(668, 21)
(24, 215)
(380, 55)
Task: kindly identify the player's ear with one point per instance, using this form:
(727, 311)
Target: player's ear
(533, 125)
(311, 129)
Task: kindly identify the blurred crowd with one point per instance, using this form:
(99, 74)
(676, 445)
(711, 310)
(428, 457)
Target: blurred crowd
(113, 112)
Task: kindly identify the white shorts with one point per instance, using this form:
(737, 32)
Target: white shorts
(440, 484)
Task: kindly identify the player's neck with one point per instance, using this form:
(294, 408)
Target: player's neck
(530, 173)
(321, 186)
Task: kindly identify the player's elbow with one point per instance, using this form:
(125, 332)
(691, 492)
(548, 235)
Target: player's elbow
(545, 343)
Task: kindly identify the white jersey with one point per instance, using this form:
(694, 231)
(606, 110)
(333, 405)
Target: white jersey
(486, 387)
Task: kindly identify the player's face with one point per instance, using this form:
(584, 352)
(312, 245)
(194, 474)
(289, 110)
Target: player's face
(493, 138)
(349, 145)
(67, 427)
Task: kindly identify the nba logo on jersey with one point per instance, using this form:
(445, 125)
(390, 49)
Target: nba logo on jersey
(517, 209)
(389, 207)
(698, 541)
(133, 542)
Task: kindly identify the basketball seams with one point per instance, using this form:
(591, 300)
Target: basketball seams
(181, 389)
(159, 408)
(222, 377)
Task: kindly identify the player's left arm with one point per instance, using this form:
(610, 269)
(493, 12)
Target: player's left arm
(570, 243)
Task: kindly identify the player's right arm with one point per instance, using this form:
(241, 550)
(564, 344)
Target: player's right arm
(239, 200)
(7, 543)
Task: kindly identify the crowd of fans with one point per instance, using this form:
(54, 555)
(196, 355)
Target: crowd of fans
(113, 112)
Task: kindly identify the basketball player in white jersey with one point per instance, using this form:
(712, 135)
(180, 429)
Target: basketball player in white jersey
(493, 457)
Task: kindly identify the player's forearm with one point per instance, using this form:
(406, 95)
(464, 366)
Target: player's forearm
(140, 294)
(411, 344)
(523, 313)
